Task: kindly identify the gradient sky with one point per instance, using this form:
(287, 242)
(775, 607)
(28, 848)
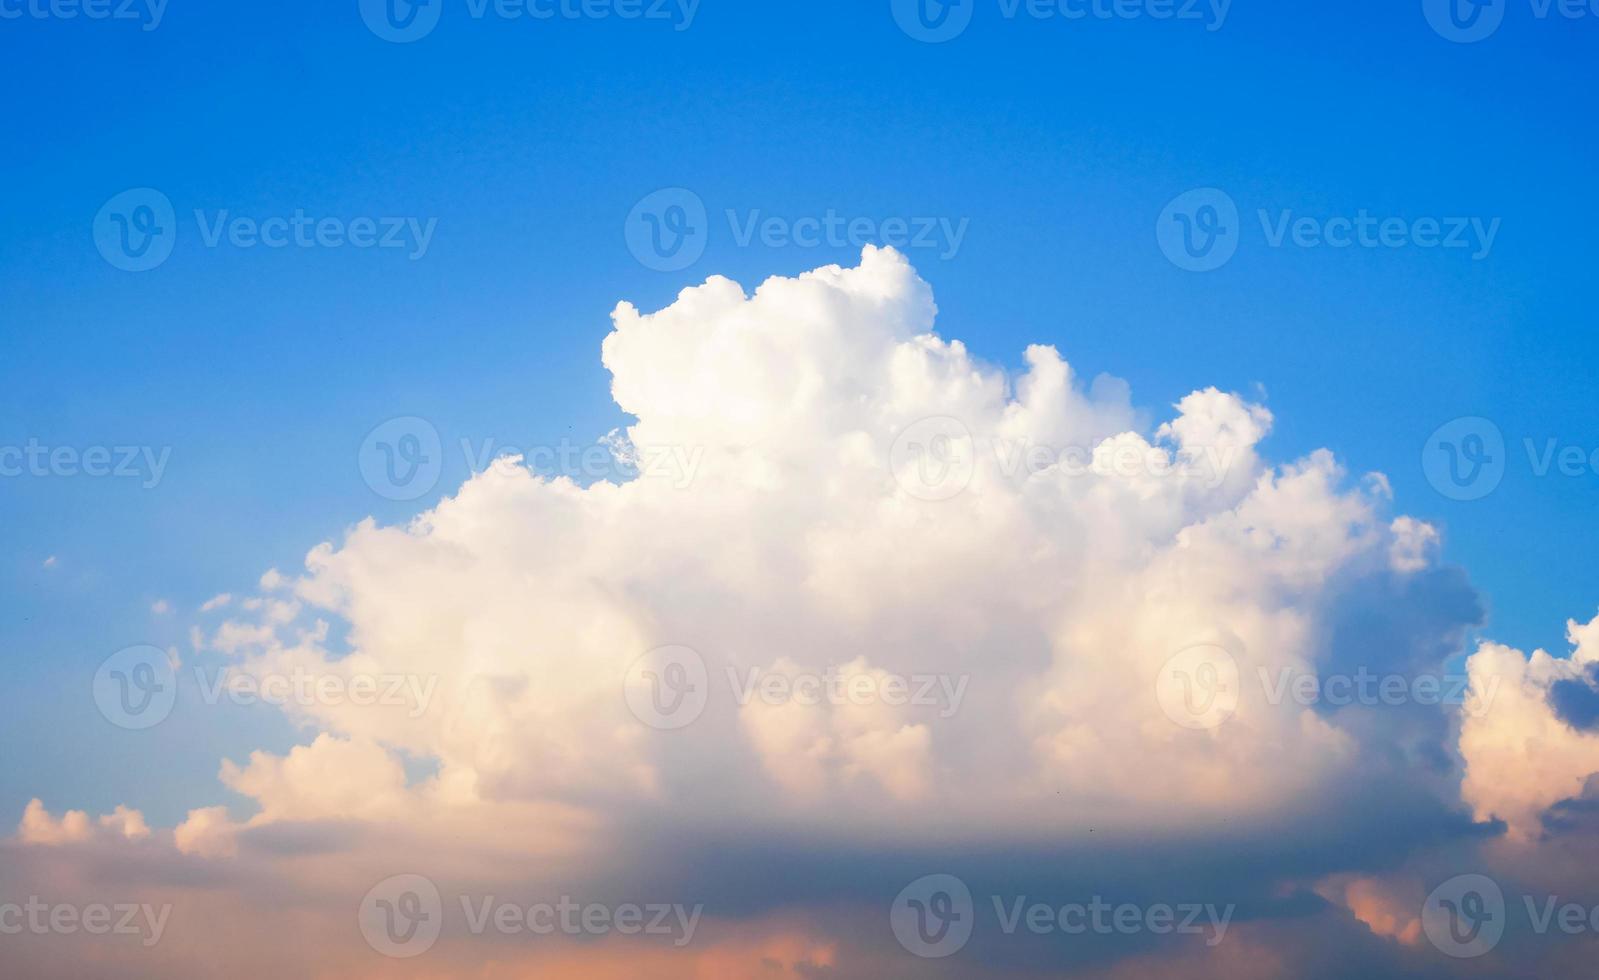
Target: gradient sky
(529, 142)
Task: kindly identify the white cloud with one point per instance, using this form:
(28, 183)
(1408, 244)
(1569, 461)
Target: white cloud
(1521, 758)
(795, 548)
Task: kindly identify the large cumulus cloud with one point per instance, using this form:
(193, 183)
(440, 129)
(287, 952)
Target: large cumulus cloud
(827, 487)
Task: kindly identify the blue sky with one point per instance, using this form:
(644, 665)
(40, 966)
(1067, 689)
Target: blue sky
(1058, 143)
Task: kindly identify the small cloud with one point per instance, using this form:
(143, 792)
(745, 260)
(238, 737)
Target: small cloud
(1413, 545)
(217, 602)
(161, 607)
(272, 580)
(50, 562)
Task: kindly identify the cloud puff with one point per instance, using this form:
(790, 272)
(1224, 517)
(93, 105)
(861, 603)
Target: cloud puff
(1522, 757)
